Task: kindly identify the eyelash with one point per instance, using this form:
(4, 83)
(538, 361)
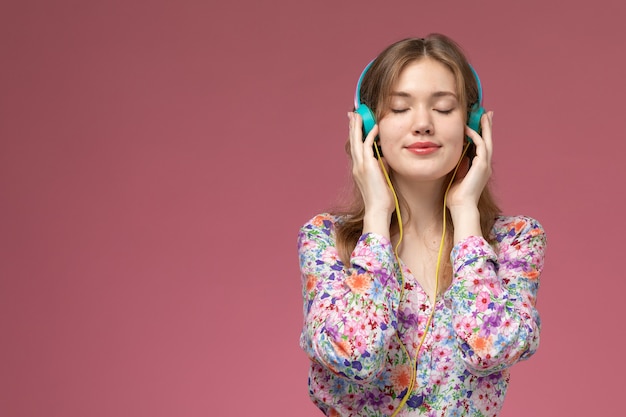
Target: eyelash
(396, 111)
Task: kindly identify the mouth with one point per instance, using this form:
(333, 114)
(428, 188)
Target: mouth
(423, 148)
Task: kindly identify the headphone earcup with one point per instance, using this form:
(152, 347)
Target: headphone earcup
(473, 120)
(368, 119)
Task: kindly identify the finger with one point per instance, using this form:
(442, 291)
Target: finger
(479, 139)
(481, 155)
(474, 136)
(487, 133)
(368, 144)
(356, 147)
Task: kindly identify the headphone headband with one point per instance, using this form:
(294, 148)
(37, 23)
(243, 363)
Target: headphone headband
(357, 93)
(480, 86)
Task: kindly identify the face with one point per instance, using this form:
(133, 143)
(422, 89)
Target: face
(422, 134)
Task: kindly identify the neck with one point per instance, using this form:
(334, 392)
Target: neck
(424, 200)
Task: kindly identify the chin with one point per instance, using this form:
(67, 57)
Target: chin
(424, 174)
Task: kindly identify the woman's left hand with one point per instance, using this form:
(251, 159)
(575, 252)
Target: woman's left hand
(466, 189)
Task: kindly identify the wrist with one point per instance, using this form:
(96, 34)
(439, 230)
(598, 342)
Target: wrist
(466, 222)
(377, 221)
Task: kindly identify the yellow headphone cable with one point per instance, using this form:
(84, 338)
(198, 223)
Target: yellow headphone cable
(413, 362)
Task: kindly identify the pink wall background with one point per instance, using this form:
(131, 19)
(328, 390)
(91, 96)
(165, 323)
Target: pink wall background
(158, 157)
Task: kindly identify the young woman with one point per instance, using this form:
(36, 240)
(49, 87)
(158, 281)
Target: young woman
(419, 298)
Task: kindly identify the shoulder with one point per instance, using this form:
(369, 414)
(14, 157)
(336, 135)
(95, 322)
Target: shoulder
(323, 221)
(520, 245)
(516, 228)
(322, 226)
(317, 239)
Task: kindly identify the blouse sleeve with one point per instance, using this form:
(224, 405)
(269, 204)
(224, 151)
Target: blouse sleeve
(349, 310)
(493, 296)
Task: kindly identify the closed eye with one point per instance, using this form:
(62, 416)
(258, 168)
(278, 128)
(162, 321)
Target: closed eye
(398, 110)
(444, 111)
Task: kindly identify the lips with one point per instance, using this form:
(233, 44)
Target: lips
(423, 148)
(422, 145)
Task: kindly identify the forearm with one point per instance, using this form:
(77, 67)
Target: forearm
(377, 222)
(466, 222)
(496, 324)
(350, 311)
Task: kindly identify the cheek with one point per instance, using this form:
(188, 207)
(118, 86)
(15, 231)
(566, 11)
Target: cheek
(456, 136)
(456, 133)
(390, 131)
(383, 128)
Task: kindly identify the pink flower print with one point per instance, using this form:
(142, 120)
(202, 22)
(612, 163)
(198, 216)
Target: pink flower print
(440, 353)
(437, 379)
(360, 344)
(359, 315)
(537, 259)
(507, 327)
(465, 327)
(482, 301)
(482, 400)
(531, 300)
(330, 256)
(444, 366)
(493, 288)
(464, 249)
(336, 286)
(486, 405)
(439, 334)
(474, 285)
(308, 245)
(518, 251)
(350, 329)
(366, 257)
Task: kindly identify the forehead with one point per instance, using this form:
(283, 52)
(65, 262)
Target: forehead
(425, 76)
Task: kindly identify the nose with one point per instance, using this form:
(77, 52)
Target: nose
(422, 123)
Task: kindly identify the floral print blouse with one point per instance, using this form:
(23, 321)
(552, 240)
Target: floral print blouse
(355, 316)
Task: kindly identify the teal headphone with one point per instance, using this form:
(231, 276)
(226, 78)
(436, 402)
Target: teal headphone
(369, 120)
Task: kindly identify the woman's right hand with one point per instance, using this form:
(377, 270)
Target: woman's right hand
(369, 177)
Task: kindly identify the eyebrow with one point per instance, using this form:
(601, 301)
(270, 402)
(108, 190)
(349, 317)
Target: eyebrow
(435, 94)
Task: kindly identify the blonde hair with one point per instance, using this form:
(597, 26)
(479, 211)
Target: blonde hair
(375, 92)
